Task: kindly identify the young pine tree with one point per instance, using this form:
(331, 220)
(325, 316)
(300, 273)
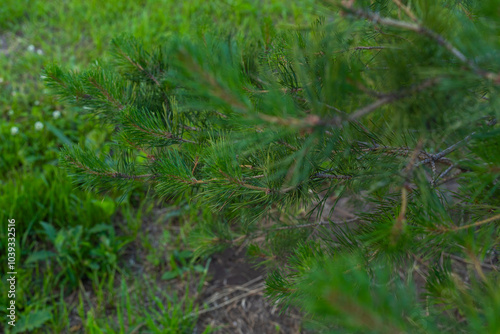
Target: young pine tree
(391, 106)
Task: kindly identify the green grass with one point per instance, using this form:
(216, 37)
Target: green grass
(71, 245)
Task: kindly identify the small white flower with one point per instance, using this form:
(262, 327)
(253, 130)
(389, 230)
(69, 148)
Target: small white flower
(38, 126)
(31, 48)
(56, 114)
(14, 130)
(1, 79)
(39, 52)
(37, 103)
(43, 77)
(10, 112)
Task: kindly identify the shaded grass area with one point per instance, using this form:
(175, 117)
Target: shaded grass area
(87, 263)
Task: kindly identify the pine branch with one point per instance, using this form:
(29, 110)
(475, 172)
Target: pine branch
(283, 143)
(215, 88)
(106, 94)
(86, 169)
(391, 97)
(139, 67)
(147, 73)
(383, 99)
(420, 29)
(245, 185)
(440, 156)
(364, 48)
(484, 265)
(137, 147)
(110, 174)
(479, 223)
(308, 121)
(406, 9)
(316, 224)
(332, 176)
(262, 120)
(157, 133)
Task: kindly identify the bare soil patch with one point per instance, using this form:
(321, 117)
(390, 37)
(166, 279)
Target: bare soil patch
(236, 301)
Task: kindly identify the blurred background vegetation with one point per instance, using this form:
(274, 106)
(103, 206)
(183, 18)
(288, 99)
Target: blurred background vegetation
(84, 260)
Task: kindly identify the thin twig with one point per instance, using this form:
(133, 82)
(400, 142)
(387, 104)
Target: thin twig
(228, 302)
(452, 147)
(440, 155)
(418, 28)
(195, 164)
(158, 133)
(371, 107)
(479, 223)
(443, 174)
(281, 142)
(227, 200)
(476, 264)
(401, 220)
(363, 48)
(315, 224)
(390, 97)
(451, 178)
(217, 89)
(106, 94)
(245, 285)
(149, 74)
(254, 177)
(137, 147)
(245, 185)
(111, 174)
(406, 10)
(332, 176)
(191, 128)
(458, 258)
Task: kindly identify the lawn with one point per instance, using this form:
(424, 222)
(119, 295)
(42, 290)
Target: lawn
(86, 262)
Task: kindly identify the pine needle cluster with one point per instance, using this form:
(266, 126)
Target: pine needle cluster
(392, 105)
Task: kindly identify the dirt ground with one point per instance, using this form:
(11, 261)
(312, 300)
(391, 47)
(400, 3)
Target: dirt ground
(232, 299)
(236, 301)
